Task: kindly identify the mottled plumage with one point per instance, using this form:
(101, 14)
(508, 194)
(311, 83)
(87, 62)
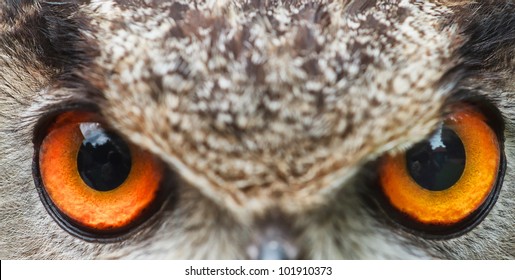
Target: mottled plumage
(267, 113)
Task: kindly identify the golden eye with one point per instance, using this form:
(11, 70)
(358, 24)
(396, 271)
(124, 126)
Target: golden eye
(445, 180)
(94, 178)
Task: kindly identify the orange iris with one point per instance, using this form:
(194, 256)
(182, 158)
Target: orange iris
(98, 210)
(456, 203)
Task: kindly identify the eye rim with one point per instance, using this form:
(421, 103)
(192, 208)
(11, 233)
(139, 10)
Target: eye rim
(166, 194)
(494, 119)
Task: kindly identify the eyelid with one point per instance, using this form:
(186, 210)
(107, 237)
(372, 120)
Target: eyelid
(70, 118)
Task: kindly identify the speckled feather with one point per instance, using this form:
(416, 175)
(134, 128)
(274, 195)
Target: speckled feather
(219, 73)
(262, 109)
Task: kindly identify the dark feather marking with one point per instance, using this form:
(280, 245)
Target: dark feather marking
(46, 37)
(490, 28)
(11, 9)
(488, 53)
(359, 6)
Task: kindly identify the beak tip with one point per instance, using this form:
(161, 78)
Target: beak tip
(272, 250)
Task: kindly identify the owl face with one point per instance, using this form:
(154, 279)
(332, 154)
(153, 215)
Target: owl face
(249, 129)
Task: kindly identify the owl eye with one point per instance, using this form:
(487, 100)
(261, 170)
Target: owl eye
(93, 178)
(447, 183)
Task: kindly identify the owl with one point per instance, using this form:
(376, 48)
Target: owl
(257, 129)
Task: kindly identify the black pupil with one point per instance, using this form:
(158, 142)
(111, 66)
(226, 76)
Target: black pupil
(438, 163)
(104, 160)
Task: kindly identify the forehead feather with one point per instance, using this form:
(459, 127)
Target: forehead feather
(255, 98)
